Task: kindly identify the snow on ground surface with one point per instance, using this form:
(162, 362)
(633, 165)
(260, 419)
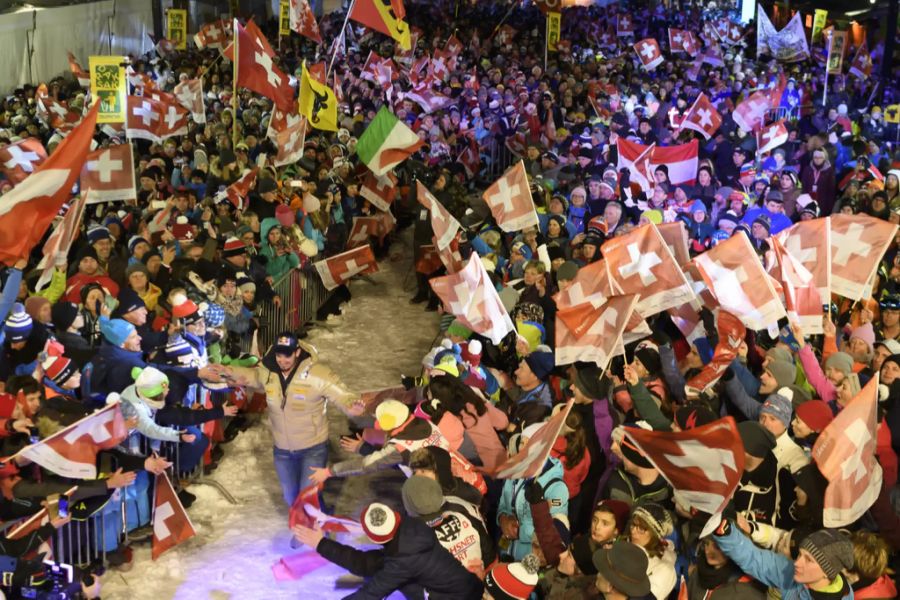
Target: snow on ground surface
(378, 337)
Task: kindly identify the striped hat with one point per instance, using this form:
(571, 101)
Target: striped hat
(97, 233)
(178, 348)
(58, 369)
(134, 241)
(18, 324)
(831, 549)
(379, 522)
(512, 581)
(233, 247)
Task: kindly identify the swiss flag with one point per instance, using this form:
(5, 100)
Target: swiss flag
(57, 115)
(155, 120)
(771, 136)
(471, 296)
(60, 241)
(453, 45)
(845, 454)
(256, 69)
(704, 464)
(171, 524)
(737, 279)
(109, 174)
(190, 95)
(20, 159)
(809, 242)
(427, 98)
(451, 257)
(379, 191)
(676, 237)
(529, 461)
(470, 159)
(801, 297)
(731, 33)
(640, 262)
(509, 199)
(72, 452)
(593, 331)
(280, 121)
(307, 511)
(290, 142)
(677, 39)
(212, 35)
(607, 39)
(649, 54)
(83, 77)
(861, 67)
(303, 21)
(731, 334)
(28, 209)
(339, 269)
(429, 260)
(751, 113)
(363, 229)
(691, 44)
(624, 25)
(141, 81)
(442, 222)
(702, 117)
(858, 243)
(506, 33)
(240, 189)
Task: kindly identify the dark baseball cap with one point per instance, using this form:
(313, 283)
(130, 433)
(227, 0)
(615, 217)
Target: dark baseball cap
(286, 343)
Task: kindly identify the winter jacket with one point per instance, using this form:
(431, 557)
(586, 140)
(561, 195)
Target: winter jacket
(767, 567)
(277, 265)
(513, 503)
(623, 486)
(412, 558)
(133, 407)
(482, 430)
(883, 588)
(113, 365)
(661, 572)
(296, 403)
(821, 185)
(461, 531)
(816, 377)
(55, 289)
(740, 587)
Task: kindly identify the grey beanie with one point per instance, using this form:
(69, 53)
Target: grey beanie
(784, 372)
(779, 353)
(422, 496)
(779, 406)
(841, 361)
(831, 549)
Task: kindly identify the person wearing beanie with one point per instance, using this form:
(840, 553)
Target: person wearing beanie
(67, 324)
(812, 417)
(648, 528)
(138, 279)
(622, 572)
(775, 415)
(61, 375)
(410, 559)
(861, 346)
(533, 395)
(453, 523)
(764, 491)
(38, 308)
(18, 326)
(636, 479)
(643, 386)
(738, 380)
(825, 381)
(512, 581)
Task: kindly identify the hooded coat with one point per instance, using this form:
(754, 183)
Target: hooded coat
(276, 265)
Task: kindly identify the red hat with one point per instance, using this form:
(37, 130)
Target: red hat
(379, 522)
(182, 306)
(815, 414)
(58, 369)
(233, 247)
(512, 581)
(619, 510)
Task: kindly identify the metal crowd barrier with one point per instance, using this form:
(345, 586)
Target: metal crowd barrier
(302, 294)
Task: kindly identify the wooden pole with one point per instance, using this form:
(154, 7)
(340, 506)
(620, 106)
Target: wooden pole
(234, 91)
(340, 39)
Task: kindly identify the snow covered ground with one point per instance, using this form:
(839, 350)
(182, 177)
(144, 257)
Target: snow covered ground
(379, 336)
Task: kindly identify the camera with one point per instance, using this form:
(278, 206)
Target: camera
(58, 584)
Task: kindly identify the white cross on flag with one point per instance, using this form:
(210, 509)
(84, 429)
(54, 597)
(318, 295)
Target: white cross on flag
(190, 95)
(771, 136)
(109, 174)
(240, 189)
(60, 241)
(155, 120)
(442, 222)
(290, 142)
(677, 40)
(593, 331)
(751, 113)
(470, 295)
(801, 297)
(256, 68)
(379, 191)
(212, 35)
(530, 460)
(171, 524)
(450, 256)
(363, 228)
(702, 117)
(703, 465)
(624, 26)
(861, 67)
(649, 54)
(809, 242)
(509, 199)
(19, 159)
(340, 268)
(676, 237)
(303, 21)
(640, 262)
(736, 278)
(858, 243)
(72, 452)
(845, 454)
(280, 121)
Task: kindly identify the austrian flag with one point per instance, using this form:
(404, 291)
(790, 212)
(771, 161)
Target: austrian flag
(649, 54)
(509, 199)
(339, 269)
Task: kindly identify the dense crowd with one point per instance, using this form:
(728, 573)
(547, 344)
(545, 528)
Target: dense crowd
(158, 296)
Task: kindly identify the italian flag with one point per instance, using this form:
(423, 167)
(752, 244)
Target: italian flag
(386, 143)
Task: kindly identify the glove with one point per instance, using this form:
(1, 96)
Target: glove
(407, 382)
(534, 493)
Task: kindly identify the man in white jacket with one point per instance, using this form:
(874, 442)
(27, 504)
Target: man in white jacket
(775, 415)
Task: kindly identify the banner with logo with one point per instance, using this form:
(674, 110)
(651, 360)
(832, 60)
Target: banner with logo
(108, 87)
(553, 25)
(818, 25)
(284, 20)
(836, 48)
(176, 23)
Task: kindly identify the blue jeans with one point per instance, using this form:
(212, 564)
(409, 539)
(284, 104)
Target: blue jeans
(294, 468)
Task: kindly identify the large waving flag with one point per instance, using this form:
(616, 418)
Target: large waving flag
(317, 103)
(445, 226)
(256, 69)
(509, 199)
(386, 143)
(858, 242)
(531, 458)
(592, 331)
(19, 159)
(303, 21)
(787, 45)
(27, 211)
(385, 16)
(171, 524)
(341, 268)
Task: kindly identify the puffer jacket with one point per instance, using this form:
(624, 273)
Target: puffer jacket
(277, 265)
(133, 407)
(513, 503)
(296, 404)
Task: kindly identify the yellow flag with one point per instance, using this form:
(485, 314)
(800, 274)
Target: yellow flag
(317, 103)
(176, 20)
(836, 49)
(108, 87)
(285, 18)
(818, 24)
(553, 22)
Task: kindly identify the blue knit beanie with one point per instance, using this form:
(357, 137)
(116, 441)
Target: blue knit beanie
(115, 331)
(215, 315)
(18, 324)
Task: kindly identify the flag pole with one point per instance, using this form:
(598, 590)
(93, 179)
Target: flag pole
(234, 90)
(546, 39)
(339, 38)
(827, 61)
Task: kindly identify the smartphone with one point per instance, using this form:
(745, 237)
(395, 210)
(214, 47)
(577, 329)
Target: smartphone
(63, 506)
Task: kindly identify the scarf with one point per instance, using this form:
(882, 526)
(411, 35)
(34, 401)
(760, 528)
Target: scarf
(711, 577)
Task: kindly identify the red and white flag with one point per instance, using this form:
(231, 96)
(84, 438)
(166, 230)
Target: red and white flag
(281, 121)
(682, 161)
(428, 99)
(702, 117)
(155, 120)
(593, 331)
(801, 296)
(636, 158)
(28, 209)
(677, 39)
(736, 278)
(861, 67)
(691, 44)
(442, 222)
(624, 25)
(340, 268)
(506, 33)
(56, 115)
(470, 159)
(809, 242)
(72, 452)
(649, 53)
(751, 113)
(451, 257)
(20, 159)
(703, 465)
(676, 237)
(858, 243)
(845, 455)
(190, 95)
(307, 511)
(771, 136)
(171, 524)
(732, 33)
(30, 525)
(509, 199)
(379, 191)
(471, 296)
(109, 174)
(363, 229)
(607, 39)
(83, 77)
(240, 189)
(529, 461)
(303, 21)
(60, 241)
(641, 263)
(256, 69)
(712, 56)
(213, 35)
(731, 335)
(290, 142)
